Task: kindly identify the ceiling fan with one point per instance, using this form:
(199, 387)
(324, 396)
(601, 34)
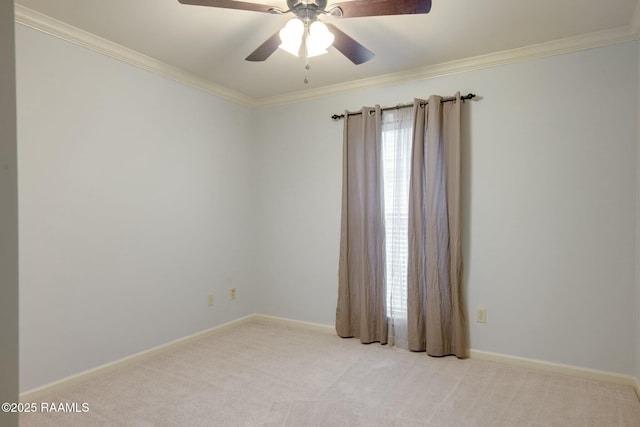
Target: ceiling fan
(306, 34)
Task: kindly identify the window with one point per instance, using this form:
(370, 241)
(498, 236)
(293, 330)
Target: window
(397, 128)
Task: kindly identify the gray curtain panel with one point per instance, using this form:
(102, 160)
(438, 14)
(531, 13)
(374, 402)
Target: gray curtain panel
(361, 310)
(436, 320)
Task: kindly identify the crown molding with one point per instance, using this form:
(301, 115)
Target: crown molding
(556, 47)
(46, 24)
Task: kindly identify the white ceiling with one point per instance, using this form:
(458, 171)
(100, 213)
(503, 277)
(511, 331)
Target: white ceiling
(211, 43)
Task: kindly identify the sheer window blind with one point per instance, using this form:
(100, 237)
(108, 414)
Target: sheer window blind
(396, 157)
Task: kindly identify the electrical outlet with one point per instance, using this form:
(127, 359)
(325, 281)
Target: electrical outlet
(210, 300)
(481, 315)
(232, 293)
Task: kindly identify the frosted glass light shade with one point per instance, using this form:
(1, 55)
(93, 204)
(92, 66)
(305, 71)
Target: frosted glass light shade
(320, 38)
(291, 36)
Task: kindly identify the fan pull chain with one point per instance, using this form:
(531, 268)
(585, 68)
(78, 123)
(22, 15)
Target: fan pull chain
(306, 53)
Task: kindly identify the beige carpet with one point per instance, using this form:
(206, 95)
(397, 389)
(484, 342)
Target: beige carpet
(269, 374)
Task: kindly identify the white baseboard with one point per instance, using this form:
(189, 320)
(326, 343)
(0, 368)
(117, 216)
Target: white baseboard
(524, 362)
(299, 323)
(558, 368)
(39, 392)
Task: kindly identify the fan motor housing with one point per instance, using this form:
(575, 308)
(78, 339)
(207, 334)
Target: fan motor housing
(307, 11)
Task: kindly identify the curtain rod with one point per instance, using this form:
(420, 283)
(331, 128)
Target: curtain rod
(462, 98)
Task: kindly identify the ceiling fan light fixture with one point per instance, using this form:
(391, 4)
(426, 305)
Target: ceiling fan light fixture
(297, 35)
(319, 39)
(291, 36)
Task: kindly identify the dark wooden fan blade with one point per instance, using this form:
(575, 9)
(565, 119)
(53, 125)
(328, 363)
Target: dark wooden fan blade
(358, 8)
(231, 4)
(265, 49)
(350, 48)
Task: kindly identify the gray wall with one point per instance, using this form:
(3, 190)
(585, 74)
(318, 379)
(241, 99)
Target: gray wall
(136, 202)
(8, 217)
(549, 204)
(638, 228)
